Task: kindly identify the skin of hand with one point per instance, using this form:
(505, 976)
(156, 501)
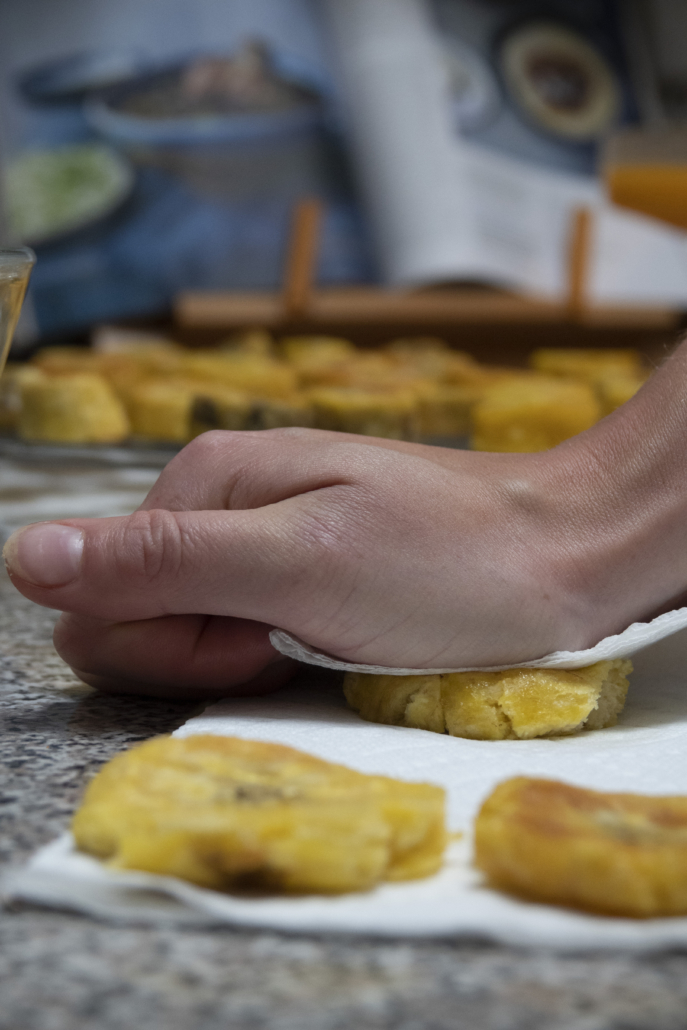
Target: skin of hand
(373, 550)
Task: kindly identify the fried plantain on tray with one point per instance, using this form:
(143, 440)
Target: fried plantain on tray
(614, 854)
(509, 705)
(228, 813)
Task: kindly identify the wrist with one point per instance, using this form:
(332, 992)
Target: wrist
(613, 519)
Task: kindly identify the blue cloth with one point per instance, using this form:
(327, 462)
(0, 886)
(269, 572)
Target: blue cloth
(169, 238)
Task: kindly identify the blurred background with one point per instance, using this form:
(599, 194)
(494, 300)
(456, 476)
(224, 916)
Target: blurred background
(156, 146)
(128, 199)
(466, 186)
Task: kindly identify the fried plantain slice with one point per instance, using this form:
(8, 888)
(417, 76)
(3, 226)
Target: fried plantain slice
(224, 812)
(516, 704)
(78, 408)
(532, 413)
(616, 854)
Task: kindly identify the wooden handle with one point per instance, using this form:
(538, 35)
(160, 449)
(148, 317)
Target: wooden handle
(578, 262)
(301, 260)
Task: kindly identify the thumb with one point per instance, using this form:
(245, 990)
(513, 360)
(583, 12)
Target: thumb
(155, 563)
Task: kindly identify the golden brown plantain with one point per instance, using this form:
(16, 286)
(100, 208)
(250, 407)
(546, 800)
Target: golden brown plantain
(619, 854)
(223, 812)
(509, 705)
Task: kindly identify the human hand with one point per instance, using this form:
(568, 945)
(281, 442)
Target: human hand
(375, 551)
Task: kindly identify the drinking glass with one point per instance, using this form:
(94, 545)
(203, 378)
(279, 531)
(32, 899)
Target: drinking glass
(15, 269)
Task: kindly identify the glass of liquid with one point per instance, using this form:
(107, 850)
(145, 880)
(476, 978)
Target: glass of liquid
(15, 269)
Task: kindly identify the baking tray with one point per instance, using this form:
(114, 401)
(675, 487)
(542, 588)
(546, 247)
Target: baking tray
(128, 455)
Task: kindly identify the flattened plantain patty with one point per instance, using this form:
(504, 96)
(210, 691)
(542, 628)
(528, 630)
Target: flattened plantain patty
(509, 705)
(617, 854)
(223, 812)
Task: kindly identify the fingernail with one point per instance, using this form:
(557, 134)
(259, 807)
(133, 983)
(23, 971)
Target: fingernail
(46, 554)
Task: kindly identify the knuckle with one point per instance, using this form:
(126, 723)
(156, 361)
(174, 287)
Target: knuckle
(202, 451)
(207, 444)
(153, 547)
(288, 433)
(224, 455)
(195, 476)
(173, 482)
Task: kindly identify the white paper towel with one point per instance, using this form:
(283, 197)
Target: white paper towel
(647, 752)
(621, 645)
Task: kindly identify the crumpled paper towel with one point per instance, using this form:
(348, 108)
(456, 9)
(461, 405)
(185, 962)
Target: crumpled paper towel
(646, 752)
(621, 645)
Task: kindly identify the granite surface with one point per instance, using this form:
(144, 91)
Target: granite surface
(40, 490)
(59, 971)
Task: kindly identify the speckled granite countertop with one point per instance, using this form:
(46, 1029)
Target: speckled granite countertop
(59, 971)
